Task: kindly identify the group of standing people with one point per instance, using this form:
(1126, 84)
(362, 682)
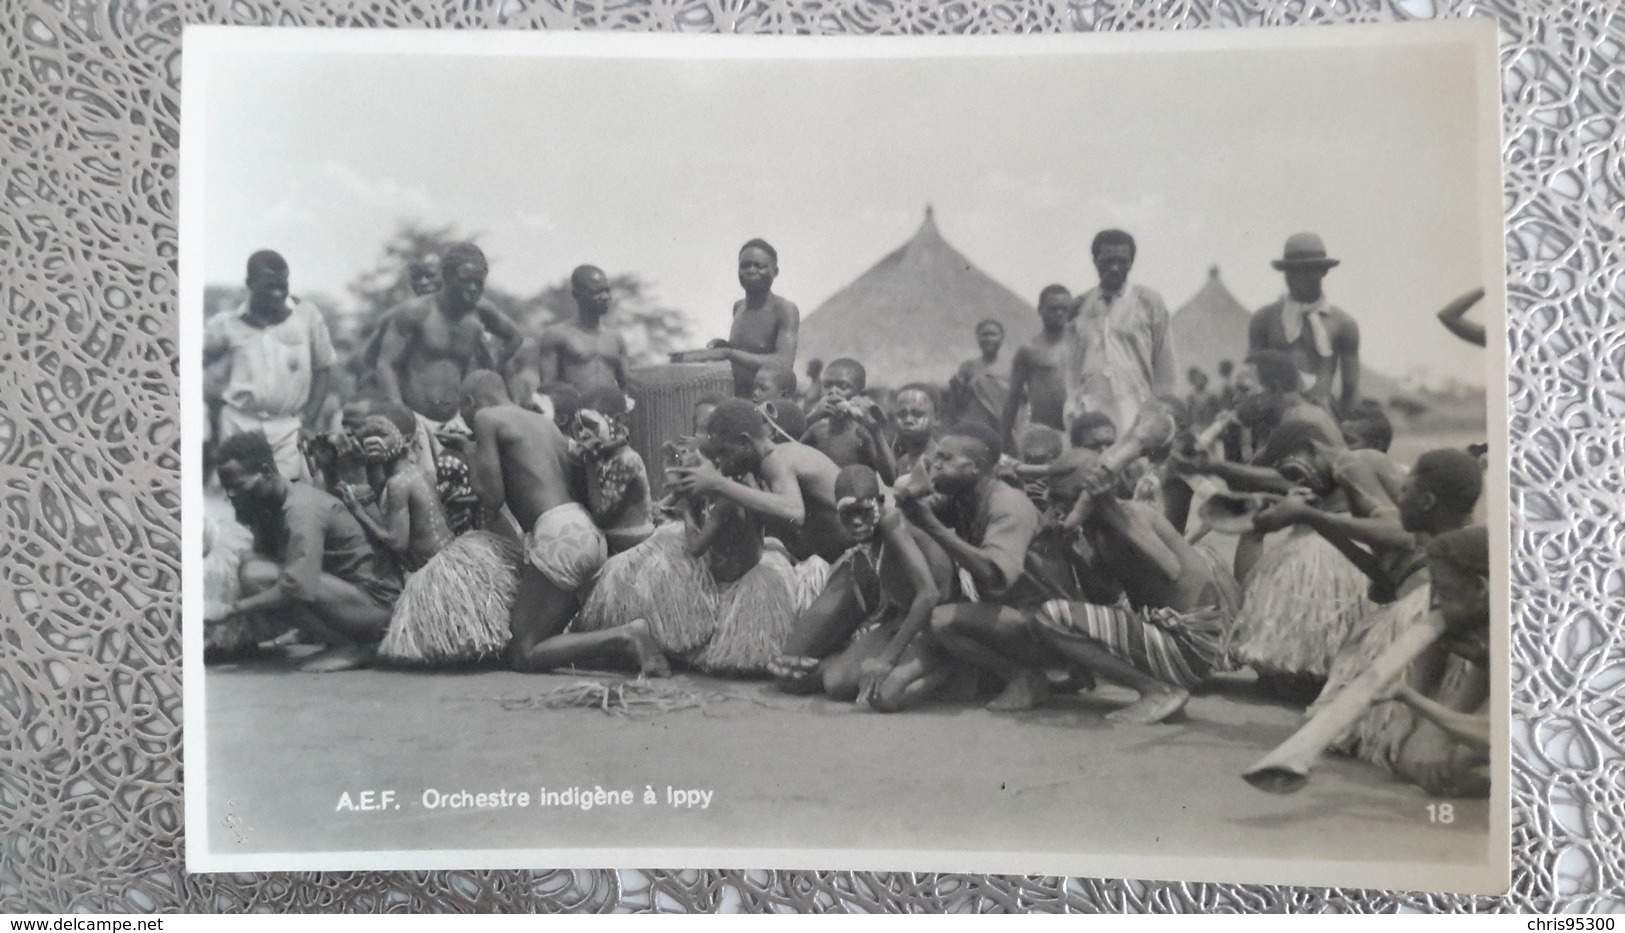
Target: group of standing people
(1015, 537)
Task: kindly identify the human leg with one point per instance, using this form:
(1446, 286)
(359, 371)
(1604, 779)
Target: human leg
(1115, 643)
(920, 674)
(338, 614)
(825, 626)
(996, 638)
(541, 611)
(843, 673)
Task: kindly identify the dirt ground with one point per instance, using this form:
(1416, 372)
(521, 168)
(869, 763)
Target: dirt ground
(783, 772)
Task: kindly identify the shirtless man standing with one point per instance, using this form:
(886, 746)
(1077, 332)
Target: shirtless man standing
(1037, 371)
(580, 352)
(765, 325)
(437, 337)
(521, 460)
(795, 490)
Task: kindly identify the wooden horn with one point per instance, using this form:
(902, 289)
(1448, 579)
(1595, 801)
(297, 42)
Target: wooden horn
(1210, 434)
(1286, 769)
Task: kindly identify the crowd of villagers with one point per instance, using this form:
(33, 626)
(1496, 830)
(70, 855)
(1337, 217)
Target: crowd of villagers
(1010, 537)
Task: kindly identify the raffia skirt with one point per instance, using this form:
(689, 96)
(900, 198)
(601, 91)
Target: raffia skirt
(1300, 603)
(1380, 734)
(733, 628)
(455, 610)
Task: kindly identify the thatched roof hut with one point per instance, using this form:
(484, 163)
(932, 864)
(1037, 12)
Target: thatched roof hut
(1210, 327)
(912, 317)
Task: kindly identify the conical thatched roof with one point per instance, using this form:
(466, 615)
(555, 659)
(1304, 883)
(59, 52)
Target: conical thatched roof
(913, 316)
(1210, 327)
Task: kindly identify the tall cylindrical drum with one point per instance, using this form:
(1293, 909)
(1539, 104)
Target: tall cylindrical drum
(664, 396)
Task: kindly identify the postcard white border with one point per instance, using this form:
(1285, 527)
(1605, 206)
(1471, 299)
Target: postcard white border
(202, 44)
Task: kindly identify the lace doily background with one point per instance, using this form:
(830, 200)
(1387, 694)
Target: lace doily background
(90, 700)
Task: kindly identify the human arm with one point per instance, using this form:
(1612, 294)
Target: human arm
(216, 342)
(1245, 477)
(1348, 361)
(698, 534)
(999, 561)
(900, 544)
(1132, 525)
(393, 529)
(392, 352)
(301, 566)
(485, 471)
(784, 343)
(321, 379)
(878, 453)
(547, 357)
(1164, 375)
(1258, 332)
(1381, 533)
(1452, 316)
(503, 328)
(780, 501)
(523, 377)
(617, 364)
(1019, 367)
(1469, 729)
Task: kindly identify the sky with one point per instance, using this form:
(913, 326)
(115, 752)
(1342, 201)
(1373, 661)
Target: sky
(664, 166)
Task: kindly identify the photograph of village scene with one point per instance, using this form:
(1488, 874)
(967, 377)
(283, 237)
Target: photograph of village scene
(759, 455)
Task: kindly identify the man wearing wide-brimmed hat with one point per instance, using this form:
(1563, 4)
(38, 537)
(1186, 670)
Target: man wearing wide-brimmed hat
(1323, 339)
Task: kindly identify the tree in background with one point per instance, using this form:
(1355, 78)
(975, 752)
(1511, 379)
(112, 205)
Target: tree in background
(652, 332)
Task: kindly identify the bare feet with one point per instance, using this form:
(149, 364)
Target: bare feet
(337, 658)
(651, 659)
(1074, 680)
(1154, 706)
(1024, 691)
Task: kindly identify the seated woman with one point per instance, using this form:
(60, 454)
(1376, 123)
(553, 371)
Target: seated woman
(897, 575)
(617, 482)
(717, 595)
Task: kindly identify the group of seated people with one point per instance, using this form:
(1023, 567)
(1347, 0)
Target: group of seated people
(880, 557)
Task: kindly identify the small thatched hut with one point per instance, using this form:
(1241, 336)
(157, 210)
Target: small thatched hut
(1210, 327)
(912, 317)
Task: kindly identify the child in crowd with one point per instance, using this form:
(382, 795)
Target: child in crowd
(897, 576)
(1093, 430)
(1365, 426)
(617, 481)
(684, 452)
(915, 414)
(1040, 446)
(557, 400)
(845, 426)
(773, 382)
(980, 388)
(1036, 372)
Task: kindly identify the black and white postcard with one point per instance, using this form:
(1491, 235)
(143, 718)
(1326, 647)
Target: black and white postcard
(1035, 454)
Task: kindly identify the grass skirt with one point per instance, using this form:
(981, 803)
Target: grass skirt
(659, 582)
(753, 616)
(733, 629)
(456, 609)
(1379, 734)
(1300, 603)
